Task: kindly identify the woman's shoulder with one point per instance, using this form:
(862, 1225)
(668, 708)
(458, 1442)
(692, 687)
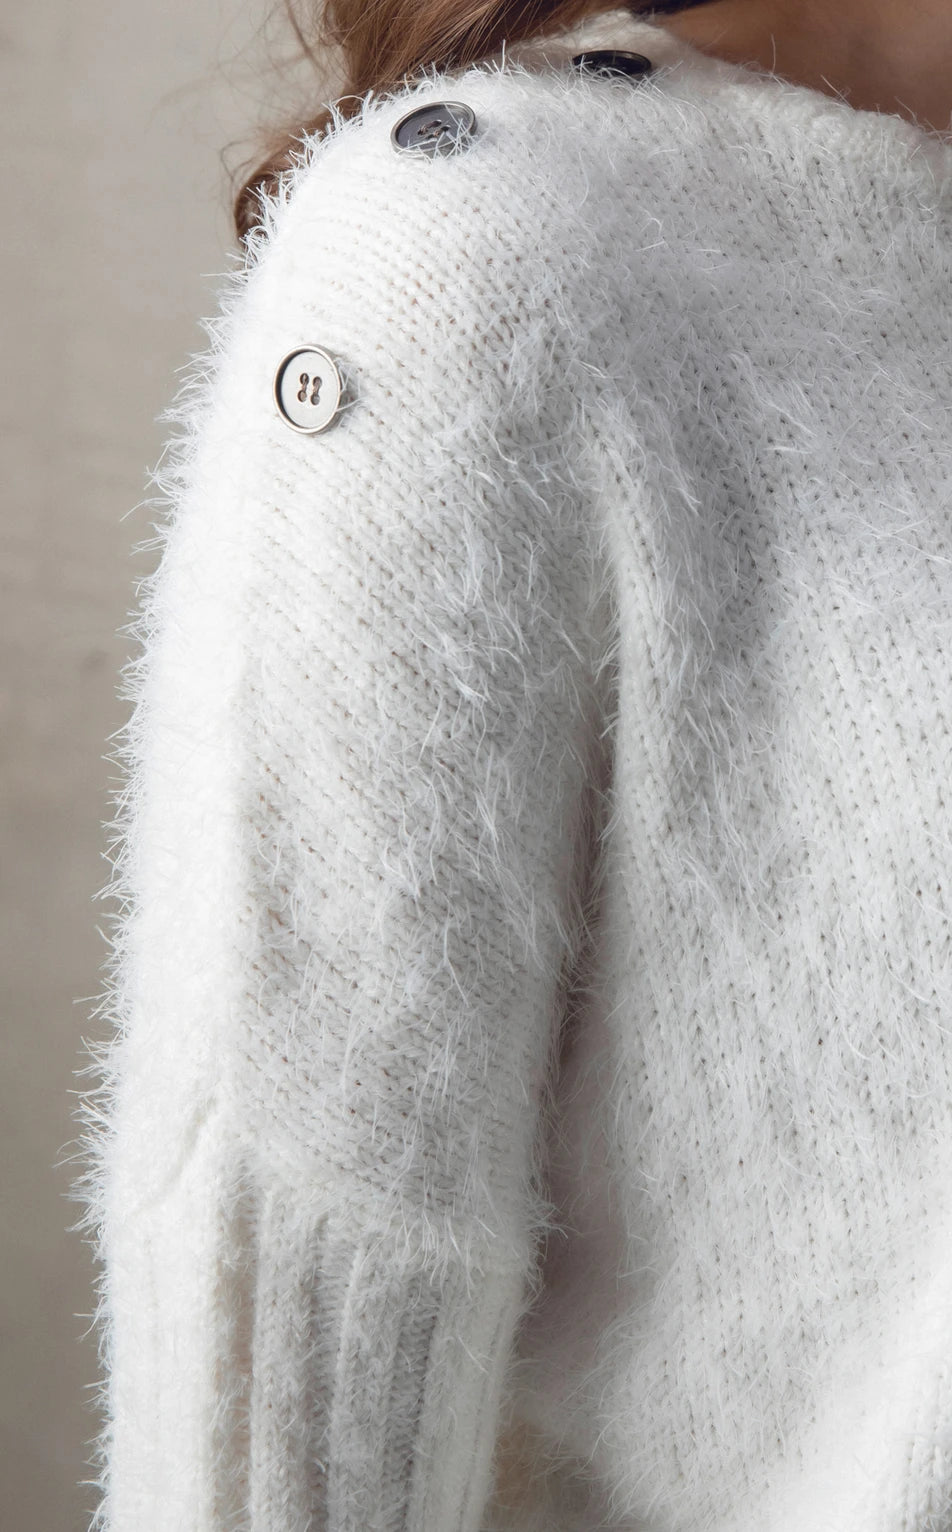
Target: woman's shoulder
(538, 173)
(486, 224)
(442, 234)
(517, 161)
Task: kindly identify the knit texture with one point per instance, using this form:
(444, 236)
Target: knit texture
(528, 1099)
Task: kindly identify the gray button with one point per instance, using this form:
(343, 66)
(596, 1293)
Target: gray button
(613, 61)
(307, 389)
(444, 127)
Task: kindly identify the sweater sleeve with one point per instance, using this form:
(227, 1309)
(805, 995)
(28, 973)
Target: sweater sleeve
(358, 776)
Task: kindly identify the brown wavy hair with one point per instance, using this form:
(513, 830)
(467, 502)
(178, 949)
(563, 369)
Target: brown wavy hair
(380, 45)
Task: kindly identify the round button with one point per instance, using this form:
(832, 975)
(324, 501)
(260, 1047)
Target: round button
(609, 61)
(307, 389)
(444, 127)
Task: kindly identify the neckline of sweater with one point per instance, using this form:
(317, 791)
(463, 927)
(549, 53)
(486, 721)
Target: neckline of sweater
(865, 136)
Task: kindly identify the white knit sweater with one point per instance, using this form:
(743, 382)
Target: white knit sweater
(529, 1107)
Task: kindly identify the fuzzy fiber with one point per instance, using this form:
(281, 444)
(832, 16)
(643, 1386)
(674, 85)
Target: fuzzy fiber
(527, 1105)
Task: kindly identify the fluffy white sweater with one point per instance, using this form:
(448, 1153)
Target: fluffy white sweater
(529, 1104)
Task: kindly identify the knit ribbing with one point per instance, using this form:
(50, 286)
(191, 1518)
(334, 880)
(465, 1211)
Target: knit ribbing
(533, 983)
(287, 1369)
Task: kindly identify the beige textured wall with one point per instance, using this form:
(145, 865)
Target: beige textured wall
(115, 224)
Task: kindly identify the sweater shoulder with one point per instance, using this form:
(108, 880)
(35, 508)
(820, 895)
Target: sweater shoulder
(448, 282)
(486, 216)
(527, 194)
(555, 191)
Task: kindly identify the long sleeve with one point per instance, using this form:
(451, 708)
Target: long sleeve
(357, 784)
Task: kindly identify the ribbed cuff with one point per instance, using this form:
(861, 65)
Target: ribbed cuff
(375, 1384)
(275, 1367)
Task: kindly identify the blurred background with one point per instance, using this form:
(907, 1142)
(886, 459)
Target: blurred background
(121, 125)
